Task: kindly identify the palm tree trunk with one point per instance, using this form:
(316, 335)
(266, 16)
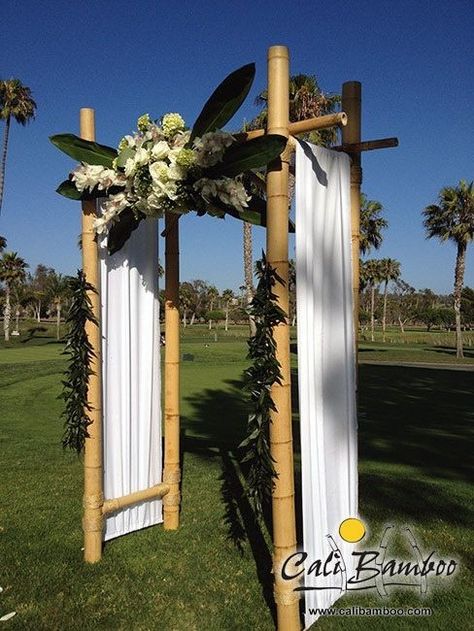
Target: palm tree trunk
(3, 162)
(193, 317)
(384, 310)
(185, 322)
(17, 319)
(372, 312)
(58, 319)
(227, 317)
(248, 273)
(458, 283)
(7, 314)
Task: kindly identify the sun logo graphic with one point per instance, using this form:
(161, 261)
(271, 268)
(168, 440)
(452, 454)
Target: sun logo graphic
(352, 530)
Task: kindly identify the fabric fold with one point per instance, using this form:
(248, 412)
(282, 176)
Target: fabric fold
(131, 377)
(326, 363)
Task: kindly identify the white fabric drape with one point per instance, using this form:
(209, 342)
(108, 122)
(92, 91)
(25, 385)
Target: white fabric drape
(131, 377)
(326, 359)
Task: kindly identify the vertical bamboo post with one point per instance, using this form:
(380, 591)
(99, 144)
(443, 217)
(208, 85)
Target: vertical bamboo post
(171, 471)
(281, 438)
(351, 133)
(93, 469)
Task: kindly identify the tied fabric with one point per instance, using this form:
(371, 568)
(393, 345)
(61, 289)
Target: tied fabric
(326, 367)
(131, 378)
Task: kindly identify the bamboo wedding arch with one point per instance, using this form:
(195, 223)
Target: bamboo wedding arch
(281, 439)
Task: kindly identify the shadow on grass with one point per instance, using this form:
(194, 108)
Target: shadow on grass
(407, 416)
(417, 417)
(448, 350)
(216, 428)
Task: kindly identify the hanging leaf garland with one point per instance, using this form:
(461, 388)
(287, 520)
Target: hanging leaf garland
(80, 354)
(259, 378)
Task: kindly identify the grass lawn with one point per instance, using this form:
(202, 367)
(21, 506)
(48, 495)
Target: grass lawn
(414, 456)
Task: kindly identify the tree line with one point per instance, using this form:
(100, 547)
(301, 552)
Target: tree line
(450, 219)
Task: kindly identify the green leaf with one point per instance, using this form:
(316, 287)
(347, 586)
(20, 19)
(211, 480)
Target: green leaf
(84, 150)
(224, 101)
(254, 154)
(120, 231)
(67, 189)
(124, 155)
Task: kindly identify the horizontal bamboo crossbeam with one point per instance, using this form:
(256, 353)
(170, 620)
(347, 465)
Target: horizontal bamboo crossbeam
(153, 493)
(302, 127)
(367, 145)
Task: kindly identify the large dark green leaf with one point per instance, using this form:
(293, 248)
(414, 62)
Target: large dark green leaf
(120, 231)
(84, 150)
(253, 154)
(67, 189)
(224, 101)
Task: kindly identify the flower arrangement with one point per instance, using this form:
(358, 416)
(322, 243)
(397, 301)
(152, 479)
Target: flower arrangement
(159, 169)
(165, 167)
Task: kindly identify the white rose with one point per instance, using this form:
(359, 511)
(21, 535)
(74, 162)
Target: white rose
(159, 171)
(141, 157)
(160, 150)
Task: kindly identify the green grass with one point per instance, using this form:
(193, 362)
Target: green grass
(414, 454)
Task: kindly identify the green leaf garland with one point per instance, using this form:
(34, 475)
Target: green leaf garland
(80, 354)
(259, 378)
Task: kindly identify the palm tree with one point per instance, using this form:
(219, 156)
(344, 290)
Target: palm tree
(371, 278)
(212, 296)
(12, 273)
(3, 243)
(452, 219)
(371, 224)
(15, 102)
(307, 100)
(389, 270)
(185, 300)
(228, 297)
(58, 289)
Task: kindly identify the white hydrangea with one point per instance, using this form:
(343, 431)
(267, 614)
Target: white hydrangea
(89, 176)
(230, 192)
(167, 189)
(210, 147)
(182, 138)
(110, 210)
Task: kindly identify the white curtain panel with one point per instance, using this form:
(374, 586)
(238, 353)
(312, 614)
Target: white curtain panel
(131, 377)
(326, 361)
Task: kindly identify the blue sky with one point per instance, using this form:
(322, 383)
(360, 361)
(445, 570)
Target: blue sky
(414, 59)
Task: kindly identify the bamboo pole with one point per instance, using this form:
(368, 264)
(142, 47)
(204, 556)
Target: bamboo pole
(92, 522)
(368, 145)
(351, 135)
(171, 471)
(301, 127)
(281, 439)
(154, 492)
